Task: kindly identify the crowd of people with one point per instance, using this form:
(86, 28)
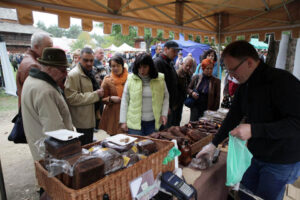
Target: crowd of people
(149, 95)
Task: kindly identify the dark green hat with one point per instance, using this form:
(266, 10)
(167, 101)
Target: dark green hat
(53, 57)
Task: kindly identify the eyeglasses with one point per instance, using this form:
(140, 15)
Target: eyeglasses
(232, 71)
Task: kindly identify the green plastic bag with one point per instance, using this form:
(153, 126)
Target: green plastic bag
(238, 160)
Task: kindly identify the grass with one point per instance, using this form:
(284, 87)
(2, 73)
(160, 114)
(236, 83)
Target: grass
(7, 102)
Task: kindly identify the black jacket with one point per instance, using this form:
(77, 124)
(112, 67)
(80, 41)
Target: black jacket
(270, 102)
(166, 66)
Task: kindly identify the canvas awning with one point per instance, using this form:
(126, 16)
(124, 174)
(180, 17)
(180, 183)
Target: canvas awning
(214, 18)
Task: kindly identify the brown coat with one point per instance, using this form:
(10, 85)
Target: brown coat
(111, 113)
(81, 98)
(213, 90)
(27, 63)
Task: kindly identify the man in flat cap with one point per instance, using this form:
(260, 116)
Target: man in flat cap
(42, 103)
(165, 64)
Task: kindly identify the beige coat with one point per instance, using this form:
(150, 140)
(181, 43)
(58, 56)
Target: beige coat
(81, 98)
(43, 109)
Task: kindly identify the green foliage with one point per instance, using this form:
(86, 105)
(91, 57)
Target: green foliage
(56, 31)
(197, 39)
(83, 39)
(73, 32)
(190, 37)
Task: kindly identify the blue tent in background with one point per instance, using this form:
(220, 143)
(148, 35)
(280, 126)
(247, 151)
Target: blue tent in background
(189, 46)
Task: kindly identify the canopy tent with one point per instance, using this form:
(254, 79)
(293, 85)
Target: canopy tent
(188, 46)
(125, 47)
(112, 48)
(216, 18)
(258, 44)
(9, 80)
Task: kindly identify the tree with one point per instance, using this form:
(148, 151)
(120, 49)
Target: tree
(83, 39)
(56, 31)
(41, 25)
(73, 31)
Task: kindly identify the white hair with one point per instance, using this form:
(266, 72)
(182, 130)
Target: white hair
(98, 49)
(37, 38)
(187, 58)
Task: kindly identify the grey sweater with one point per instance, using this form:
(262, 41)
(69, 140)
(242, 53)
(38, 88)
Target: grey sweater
(147, 112)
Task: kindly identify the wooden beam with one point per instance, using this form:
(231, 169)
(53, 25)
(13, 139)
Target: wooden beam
(263, 19)
(141, 31)
(87, 25)
(256, 16)
(81, 13)
(114, 5)
(107, 28)
(154, 32)
(25, 16)
(124, 6)
(198, 14)
(179, 8)
(103, 6)
(222, 5)
(266, 5)
(287, 11)
(63, 21)
(125, 29)
(157, 9)
(149, 6)
(214, 7)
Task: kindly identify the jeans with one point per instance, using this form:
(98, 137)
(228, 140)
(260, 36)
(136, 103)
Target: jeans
(87, 136)
(148, 127)
(268, 180)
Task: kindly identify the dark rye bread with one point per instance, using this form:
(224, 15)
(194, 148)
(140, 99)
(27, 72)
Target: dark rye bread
(61, 149)
(87, 172)
(146, 147)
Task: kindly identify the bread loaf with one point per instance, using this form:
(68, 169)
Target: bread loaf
(61, 149)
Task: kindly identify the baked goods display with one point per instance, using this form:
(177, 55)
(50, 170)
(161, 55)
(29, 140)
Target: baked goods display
(192, 132)
(61, 149)
(78, 167)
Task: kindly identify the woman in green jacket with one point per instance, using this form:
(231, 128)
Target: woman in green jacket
(145, 99)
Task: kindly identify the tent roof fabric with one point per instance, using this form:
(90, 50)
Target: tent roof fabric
(214, 18)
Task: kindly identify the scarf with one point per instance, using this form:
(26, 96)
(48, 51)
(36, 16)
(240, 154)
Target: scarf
(119, 81)
(96, 86)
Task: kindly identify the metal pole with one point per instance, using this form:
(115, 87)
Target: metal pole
(219, 45)
(2, 186)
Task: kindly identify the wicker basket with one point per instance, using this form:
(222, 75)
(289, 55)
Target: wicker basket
(116, 185)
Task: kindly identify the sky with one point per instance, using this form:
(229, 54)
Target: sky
(51, 19)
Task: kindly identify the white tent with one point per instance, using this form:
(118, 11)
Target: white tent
(9, 80)
(125, 47)
(112, 48)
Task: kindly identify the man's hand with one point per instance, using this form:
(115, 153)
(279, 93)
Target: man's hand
(242, 131)
(195, 95)
(100, 92)
(207, 149)
(115, 99)
(163, 120)
(124, 127)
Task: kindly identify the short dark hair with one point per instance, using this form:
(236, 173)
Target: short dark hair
(157, 46)
(204, 55)
(240, 49)
(118, 59)
(86, 50)
(144, 59)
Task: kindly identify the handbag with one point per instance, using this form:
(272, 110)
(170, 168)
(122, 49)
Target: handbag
(189, 102)
(17, 134)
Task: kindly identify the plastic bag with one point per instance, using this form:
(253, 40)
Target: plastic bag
(238, 160)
